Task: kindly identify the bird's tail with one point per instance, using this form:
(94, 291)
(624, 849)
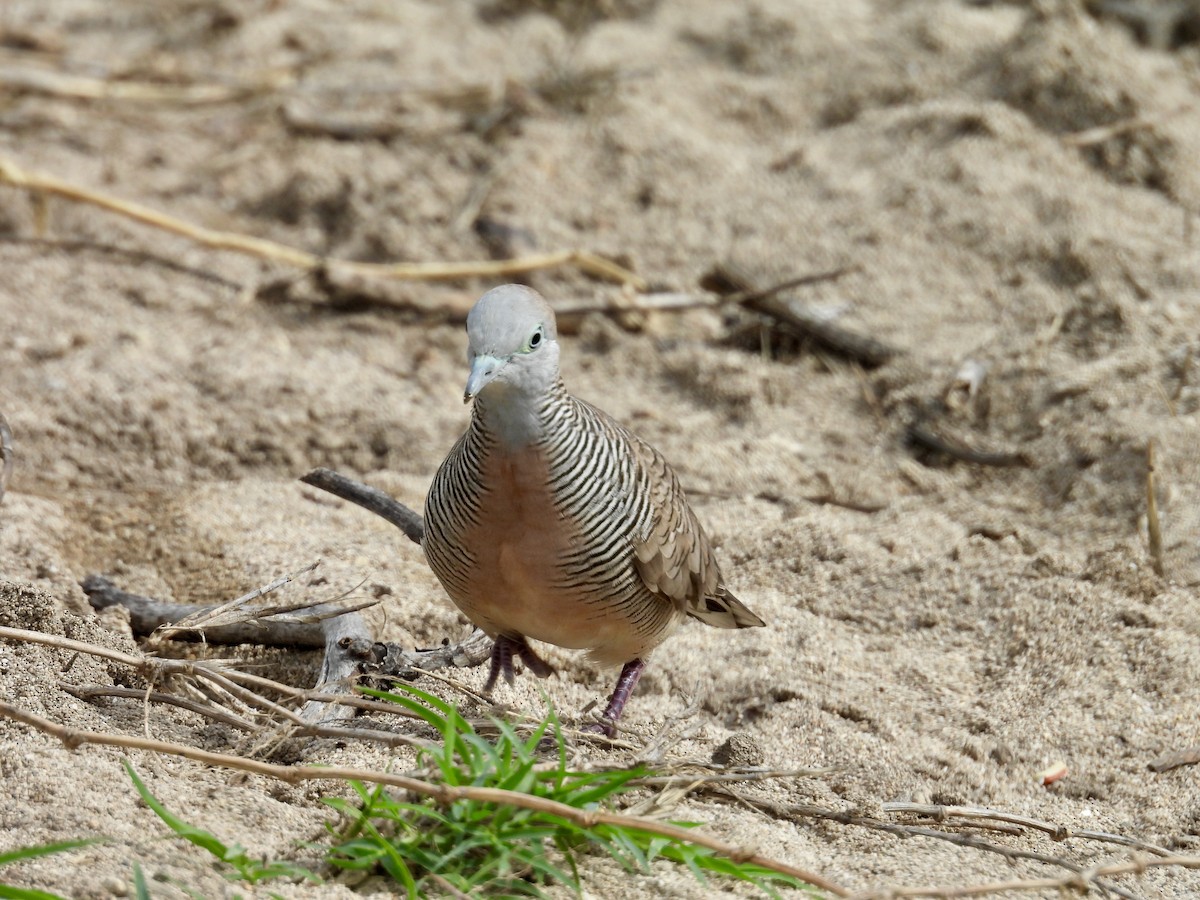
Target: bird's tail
(724, 611)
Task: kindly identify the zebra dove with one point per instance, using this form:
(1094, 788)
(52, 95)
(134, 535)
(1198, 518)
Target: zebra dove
(549, 520)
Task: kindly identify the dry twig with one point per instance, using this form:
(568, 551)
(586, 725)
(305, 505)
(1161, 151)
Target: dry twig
(735, 285)
(371, 499)
(1080, 878)
(234, 612)
(1090, 137)
(442, 793)
(6, 455)
(1175, 760)
(79, 87)
(1057, 832)
(1153, 529)
(47, 185)
(90, 692)
(1080, 882)
(921, 435)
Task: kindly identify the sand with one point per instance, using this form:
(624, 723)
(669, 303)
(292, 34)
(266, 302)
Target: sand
(1013, 192)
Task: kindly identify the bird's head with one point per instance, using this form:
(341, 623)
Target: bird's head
(512, 342)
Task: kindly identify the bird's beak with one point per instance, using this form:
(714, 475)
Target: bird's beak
(483, 370)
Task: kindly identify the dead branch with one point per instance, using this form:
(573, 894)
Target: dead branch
(350, 650)
(6, 455)
(233, 612)
(147, 615)
(371, 499)
(156, 669)
(442, 793)
(48, 185)
(734, 284)
(350, 638)
(678, 301)
(345, 638)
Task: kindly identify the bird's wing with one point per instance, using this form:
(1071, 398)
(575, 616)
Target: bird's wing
(674, 558)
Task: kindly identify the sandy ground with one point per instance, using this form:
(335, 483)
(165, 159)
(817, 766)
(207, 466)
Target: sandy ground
(940, 631)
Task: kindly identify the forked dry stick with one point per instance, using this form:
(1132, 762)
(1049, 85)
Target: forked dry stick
(229, 681)
(350, 650)
(444, 794)
(156, 669)
(43, 185)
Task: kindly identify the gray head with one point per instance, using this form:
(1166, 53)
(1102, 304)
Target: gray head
(512, 342)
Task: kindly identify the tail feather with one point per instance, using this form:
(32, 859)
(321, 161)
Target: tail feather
(724, 611)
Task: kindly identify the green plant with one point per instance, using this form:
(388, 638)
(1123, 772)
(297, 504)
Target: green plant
(11, 892)
(245, 867)
(479, 847)
(502, 815)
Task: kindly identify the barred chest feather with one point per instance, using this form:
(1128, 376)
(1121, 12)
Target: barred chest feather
(545, 549)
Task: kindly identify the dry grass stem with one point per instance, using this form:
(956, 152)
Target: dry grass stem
(737, 776)
(47, 185)
(442, 793)
(232, 611)
(6, 455)
(1081, 877)
(1080, 883)
(218, 679)
(218, 672)
(1089, 137)
(90, 692)
(1057, 832)
(1153, 528)
(78, 87)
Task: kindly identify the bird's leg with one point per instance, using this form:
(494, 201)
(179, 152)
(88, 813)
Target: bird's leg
(533, 662)
(502, 661)
(502, 654)
(626, 681)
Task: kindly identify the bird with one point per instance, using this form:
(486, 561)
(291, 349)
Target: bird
(549, 520)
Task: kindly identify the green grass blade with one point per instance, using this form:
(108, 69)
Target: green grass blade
(141, 890)
(8, 892)
(23, 853)
(197, 836)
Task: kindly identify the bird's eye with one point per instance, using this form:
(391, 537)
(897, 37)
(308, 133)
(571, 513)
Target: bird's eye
(535, 340)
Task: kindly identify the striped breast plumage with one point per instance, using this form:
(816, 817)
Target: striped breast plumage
(548, 548)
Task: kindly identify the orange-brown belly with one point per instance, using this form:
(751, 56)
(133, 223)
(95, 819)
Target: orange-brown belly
(517, 585)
